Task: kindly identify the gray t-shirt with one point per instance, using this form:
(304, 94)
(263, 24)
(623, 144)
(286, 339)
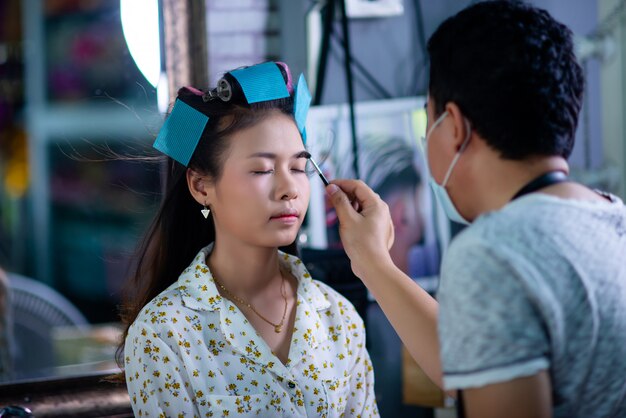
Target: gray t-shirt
(540, 284)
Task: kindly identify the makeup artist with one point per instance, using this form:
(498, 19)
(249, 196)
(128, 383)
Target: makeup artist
(530, 319)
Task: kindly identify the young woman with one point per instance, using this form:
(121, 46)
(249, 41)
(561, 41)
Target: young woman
(224, 322)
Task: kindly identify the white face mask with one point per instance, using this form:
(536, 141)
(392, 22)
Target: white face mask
(440, 190)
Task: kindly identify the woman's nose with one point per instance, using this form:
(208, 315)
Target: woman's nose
(287, 188)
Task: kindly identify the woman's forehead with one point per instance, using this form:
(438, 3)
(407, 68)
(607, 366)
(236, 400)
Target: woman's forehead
(276, 133)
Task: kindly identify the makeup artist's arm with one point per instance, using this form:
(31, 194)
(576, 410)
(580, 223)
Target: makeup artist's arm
(367, 235)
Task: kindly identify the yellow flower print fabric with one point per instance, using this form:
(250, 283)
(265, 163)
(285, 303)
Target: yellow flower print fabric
(192, 353)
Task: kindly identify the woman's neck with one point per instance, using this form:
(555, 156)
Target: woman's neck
(245, 270)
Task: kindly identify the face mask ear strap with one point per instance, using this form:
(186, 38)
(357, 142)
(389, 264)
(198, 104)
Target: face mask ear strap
(437, 122)
(459, 152)
(468, 129)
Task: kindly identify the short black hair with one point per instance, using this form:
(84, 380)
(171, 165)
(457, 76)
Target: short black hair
(511, 69)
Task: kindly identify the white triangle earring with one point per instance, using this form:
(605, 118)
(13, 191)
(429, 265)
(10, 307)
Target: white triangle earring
(205, 211)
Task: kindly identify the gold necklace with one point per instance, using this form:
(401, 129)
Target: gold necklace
(277, 327)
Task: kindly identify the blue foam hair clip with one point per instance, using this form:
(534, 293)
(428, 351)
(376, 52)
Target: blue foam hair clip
(301, 105)
(181, 132)
(261, 82)
(303, 133)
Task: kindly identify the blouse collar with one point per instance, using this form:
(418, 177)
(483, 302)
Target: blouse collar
(199, 291)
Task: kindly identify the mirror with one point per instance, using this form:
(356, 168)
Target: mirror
(84, 101)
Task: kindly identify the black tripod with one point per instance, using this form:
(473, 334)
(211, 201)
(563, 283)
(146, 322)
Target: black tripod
(328, 17)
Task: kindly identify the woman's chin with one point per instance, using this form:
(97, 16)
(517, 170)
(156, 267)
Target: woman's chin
(288, 240)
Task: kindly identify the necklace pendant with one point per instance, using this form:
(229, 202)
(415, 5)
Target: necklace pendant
(278, 328)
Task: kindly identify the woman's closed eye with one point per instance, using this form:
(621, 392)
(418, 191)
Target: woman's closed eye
(297, 167)
(297, 164)
(298, 170)
(259, 172)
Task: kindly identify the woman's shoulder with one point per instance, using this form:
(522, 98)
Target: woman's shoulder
(162, 308)
(339, 306)
(193, 291)
(332, 295)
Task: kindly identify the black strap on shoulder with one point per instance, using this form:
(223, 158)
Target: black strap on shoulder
(460, 405)
(544, 180)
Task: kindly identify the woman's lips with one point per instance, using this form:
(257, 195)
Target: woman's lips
(286, 213)
(287, 217)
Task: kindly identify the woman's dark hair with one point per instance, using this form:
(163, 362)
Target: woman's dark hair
(178, 231)
(511, 69)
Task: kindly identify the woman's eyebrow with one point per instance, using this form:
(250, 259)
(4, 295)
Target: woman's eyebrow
(272, 156)
(303, 154)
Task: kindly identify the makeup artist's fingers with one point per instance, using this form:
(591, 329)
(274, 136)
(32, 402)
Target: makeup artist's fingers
(362, 197)
(358, 192)
(343, 204)
(366, 233)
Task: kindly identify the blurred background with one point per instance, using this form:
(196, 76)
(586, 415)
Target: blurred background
(83, 82)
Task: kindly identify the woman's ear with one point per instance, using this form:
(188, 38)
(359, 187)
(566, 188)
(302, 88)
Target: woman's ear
(462, 128)
(199, 186)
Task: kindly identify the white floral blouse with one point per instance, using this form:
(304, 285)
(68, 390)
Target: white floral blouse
(192, 353)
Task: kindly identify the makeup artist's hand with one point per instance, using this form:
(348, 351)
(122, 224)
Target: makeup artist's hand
(365, 223)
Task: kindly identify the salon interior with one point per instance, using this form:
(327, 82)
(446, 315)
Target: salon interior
(84, 83)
